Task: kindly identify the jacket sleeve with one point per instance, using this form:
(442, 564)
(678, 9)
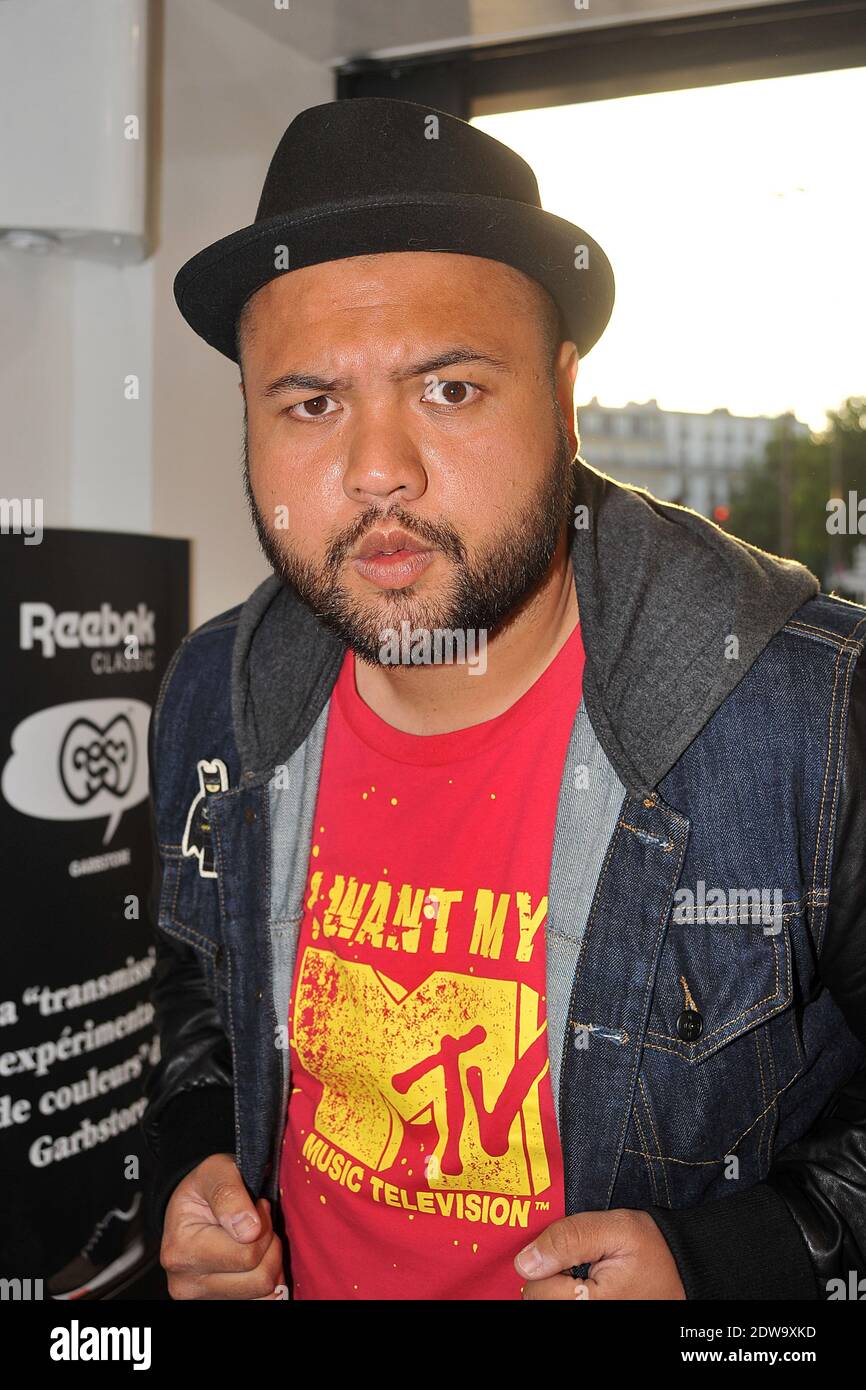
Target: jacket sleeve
(190, 1099)
(805, 1224)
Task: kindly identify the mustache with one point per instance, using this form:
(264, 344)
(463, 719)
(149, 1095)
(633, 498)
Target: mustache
(437, 537)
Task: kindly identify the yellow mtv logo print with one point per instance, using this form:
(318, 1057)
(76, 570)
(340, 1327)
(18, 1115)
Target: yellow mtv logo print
(467, 1053)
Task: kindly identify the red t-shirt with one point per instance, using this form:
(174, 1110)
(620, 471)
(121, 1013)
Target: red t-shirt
(421, 1150)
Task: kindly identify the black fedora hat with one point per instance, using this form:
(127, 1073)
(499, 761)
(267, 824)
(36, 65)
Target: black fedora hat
(373, 174)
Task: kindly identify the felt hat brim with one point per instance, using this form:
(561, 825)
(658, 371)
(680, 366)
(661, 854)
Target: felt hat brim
(212, 287)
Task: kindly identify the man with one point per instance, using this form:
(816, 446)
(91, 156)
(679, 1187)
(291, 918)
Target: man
(509, 836)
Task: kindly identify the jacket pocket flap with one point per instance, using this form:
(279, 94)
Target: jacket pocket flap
(189, 905)
(716, 981)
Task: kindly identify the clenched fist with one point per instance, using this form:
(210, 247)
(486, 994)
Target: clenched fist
(218, 1243)
(628, 1255)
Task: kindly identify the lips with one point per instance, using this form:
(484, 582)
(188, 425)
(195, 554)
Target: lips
(388, 543)
(392, 559)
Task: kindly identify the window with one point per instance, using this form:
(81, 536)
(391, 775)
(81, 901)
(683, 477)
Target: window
(737, 135)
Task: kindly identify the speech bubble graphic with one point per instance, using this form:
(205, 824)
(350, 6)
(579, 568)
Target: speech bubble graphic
(79, 761)
(92, 758)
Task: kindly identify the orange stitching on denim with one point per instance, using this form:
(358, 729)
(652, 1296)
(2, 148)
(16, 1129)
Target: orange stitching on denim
(771, 1066)
(834, 801)
(689, 1001)
(838, 639)
(235, 1089)
(206, 944)
(220, 860)
(830, 726)
(797, 904)
(163, 691)
(761, 1069)
(831, 713)
(175, 920)
(647, 997)
(712, 1162)
(834, 798)
(651, 1123)
(800, 1053)
(680, 1051)
(591, 920)
(685, 1162)
(830, 742)
(647, 835)
(650, 1172)
(652, 1033)
(763, 1090)
(177, 873)
(770, 1104)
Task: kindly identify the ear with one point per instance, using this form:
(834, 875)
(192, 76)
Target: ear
(566, 374)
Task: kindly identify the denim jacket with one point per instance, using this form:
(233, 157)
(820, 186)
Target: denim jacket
(705, 937)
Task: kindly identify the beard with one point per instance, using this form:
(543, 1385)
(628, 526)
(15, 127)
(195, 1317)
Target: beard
(483, 592)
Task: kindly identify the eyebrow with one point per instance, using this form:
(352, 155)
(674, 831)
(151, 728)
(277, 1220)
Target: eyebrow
(303, 381)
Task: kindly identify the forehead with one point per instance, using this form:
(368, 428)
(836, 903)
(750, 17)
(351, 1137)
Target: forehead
(436, 287)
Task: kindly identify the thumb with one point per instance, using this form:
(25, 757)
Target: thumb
(225, 1193)
(579, 1239)
(263, 1207)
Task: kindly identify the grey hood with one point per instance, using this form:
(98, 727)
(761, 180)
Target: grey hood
(661, 591)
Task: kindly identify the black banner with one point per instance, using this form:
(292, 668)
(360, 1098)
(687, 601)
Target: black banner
(88, 623)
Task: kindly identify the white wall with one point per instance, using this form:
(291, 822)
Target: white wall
(228, 94)
(71, 72)
(36, 381)
(70, 331)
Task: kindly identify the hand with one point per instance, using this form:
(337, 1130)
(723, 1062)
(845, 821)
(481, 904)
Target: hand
(627, 1254)
(216, 1243)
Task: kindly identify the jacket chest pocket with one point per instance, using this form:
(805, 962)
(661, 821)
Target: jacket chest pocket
(189, 911)
(722, 1043)
(189, 906)
(715, 982)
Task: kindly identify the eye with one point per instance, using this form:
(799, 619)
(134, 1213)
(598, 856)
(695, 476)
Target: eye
(313, 401)
(434, 384)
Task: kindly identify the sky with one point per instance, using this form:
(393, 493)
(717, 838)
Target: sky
(735, 221)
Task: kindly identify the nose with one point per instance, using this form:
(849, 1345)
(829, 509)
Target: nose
(382, 459)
